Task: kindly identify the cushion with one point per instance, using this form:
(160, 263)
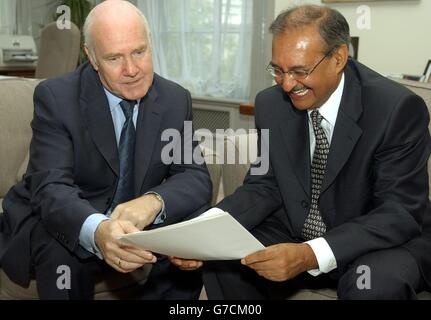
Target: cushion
(112, 285)
(424, 90)
(22, 168)
(214, 169)
(16, 111)
(240, 150)
(311, 294)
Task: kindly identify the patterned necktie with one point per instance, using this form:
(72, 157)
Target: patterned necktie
(314, 226)
(126, 155)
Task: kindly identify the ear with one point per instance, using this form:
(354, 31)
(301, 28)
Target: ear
(91, 58)
(341, 55)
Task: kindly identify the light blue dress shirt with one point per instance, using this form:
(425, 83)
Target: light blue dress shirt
(86, 235)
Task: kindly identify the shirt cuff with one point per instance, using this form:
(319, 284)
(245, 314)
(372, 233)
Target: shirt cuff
(324, 255)
(161, 216)
(88, 230)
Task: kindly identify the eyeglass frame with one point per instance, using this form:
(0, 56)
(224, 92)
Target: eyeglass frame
(270, 68)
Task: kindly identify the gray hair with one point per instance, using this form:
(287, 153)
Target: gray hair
(332, 25)
(88, 40)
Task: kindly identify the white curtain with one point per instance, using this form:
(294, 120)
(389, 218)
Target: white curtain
(205, 45)
(7, 16)
(16, 16)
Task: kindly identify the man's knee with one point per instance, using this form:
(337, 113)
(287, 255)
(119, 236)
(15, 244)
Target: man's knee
(46, 250)
(59, 273)
(385, 274)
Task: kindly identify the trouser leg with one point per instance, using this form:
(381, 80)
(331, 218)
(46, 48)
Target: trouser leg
(60, 274)
(384, 274)
(231, 280)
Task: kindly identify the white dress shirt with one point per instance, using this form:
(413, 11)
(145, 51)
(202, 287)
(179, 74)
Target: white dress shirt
(329, 111)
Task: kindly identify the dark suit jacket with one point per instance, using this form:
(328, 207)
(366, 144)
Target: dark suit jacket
(375, 191)
(74, 164)
(420, 247)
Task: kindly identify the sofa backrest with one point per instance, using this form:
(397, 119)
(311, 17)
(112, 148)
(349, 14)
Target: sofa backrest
(16, 112)
(245, 149)
(422, 89)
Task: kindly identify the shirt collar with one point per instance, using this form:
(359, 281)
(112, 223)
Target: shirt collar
(329, 110)
(113, 100)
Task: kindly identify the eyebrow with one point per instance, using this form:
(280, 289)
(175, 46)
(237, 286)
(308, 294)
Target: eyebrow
(111, 55)
(117, 54)
(143, 47)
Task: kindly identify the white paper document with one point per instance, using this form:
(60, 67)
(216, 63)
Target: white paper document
(214, 235)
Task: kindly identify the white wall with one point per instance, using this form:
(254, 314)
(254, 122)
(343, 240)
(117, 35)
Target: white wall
(399, 40)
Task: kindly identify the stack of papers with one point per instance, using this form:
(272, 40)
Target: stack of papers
(214, 235)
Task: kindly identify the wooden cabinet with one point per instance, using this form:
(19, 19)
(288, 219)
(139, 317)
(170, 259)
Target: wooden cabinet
(246, 109)
(26, 72)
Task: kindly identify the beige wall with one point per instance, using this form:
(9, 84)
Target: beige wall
(399, 40)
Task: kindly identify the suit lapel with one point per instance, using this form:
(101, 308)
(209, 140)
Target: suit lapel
(147, 133)
(296, 137)
(346, 132)
(97, 116)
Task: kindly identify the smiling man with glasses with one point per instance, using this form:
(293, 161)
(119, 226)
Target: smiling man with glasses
(347, 186)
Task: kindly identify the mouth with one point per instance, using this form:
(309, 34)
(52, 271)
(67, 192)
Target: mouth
(131, 83)
(299, 92)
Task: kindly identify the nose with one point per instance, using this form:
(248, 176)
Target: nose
(288, 83)
(130, 68)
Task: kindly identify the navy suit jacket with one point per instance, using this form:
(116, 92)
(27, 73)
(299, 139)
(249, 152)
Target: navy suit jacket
(375, 190)
(73, 168)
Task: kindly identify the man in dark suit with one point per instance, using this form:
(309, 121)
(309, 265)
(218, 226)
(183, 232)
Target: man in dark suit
(347, 185)
(96, 170)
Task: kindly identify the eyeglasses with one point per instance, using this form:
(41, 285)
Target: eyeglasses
(278, 73)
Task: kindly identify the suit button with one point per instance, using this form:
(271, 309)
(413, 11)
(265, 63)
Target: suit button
(304, 204)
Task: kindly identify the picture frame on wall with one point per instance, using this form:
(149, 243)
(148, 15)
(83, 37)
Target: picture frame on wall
(427, 72)
(351, 1)
(354, 47)
(335, 1)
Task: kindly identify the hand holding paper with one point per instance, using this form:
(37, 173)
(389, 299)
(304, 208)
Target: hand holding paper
(215, 235)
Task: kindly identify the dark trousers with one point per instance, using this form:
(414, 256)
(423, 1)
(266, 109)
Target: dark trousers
(393, 274)
(52, 264)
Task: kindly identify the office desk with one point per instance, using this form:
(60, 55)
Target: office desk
(16, 71)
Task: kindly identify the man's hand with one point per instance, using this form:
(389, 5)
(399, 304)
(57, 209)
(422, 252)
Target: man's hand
(282, 261)
(140, 212)
(186, 264)
(122, 257)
